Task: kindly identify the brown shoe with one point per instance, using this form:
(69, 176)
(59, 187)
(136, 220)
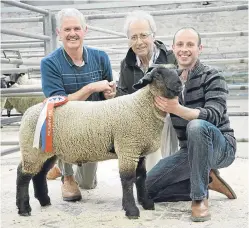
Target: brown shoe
(70, 190)
(53, 173)
(200, 211)
(219, 185)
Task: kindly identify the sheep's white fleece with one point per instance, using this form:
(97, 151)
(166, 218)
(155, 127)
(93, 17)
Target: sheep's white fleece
(84, 131)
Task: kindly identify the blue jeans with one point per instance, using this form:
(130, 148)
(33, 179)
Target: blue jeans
(184, 175)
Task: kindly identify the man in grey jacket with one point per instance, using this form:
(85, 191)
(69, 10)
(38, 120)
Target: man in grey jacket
(144, 50)
(206, 140)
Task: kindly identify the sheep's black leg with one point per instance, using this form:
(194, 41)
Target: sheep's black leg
(142, 193)
(22, 192)
(129, 205)
(40, 182)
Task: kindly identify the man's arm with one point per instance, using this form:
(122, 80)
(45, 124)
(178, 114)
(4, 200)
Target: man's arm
(216, 92)
(215, 89)
(52, 83)
(86, 91)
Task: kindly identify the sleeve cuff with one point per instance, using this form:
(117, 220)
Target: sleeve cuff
(202, 114)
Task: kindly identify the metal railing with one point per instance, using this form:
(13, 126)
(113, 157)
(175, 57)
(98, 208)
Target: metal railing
(49, 37)
(173, 12)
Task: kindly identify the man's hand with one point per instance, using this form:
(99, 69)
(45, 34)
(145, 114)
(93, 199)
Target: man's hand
(101, 86)
(167, 105)
(173, 106)
(110, 93)
(108, 88)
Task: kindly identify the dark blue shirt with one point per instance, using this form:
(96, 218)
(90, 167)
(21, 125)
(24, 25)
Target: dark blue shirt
(60, 76)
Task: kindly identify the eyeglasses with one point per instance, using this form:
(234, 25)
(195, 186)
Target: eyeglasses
(142, 36)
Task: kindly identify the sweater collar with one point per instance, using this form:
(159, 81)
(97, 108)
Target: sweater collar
(197, 69)
(69, 59)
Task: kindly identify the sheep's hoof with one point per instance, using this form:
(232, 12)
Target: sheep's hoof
(45, 204)
(133, 217)
(23, 209)
(148, 204)
(132, 213)
(24, 213)
(45, 201)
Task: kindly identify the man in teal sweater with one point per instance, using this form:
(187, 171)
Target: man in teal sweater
(80, 73)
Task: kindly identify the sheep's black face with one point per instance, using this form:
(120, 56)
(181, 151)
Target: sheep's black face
(168, 80)
(6, 82)
(3, 83)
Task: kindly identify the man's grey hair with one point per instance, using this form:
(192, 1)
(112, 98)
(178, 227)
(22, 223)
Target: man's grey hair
(70, 12)
(139, 15)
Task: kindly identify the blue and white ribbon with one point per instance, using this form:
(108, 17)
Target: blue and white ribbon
(40, 123)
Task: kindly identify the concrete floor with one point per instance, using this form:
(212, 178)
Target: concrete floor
(101, 207)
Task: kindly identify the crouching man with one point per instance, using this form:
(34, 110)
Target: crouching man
(206, 140)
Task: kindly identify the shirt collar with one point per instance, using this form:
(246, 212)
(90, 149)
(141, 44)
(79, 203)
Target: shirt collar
(155, 54)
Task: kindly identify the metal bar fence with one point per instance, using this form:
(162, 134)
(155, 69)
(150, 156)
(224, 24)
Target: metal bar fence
(10, 150)
(18, 41)
(163, 38)
(116, 65)
(214, 34)
(47, 30)
(20, 62)
(25, 6)
(111, 4)
(173, 12)
(20, 70)
(24, 19)
(211, 61)
(24, 34)
(9, 143)
(106, 31)
(22, 45)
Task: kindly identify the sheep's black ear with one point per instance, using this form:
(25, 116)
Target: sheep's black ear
(145, 80)
(179, 71)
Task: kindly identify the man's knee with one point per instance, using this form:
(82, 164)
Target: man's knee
(195, 127)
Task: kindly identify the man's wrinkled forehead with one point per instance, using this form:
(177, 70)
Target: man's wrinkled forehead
(139, 26)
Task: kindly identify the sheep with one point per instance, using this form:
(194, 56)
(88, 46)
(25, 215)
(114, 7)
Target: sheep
(24, 79)
(4, 84)
(21, 104)
(131, 123)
